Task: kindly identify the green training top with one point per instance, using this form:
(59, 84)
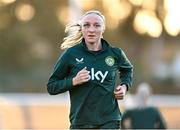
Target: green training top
(93, 102)
(144, 118)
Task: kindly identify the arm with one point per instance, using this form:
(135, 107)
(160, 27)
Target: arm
(126, 72)
(59, 81)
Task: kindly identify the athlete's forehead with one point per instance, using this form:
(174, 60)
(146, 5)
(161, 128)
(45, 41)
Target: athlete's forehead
(92, 18)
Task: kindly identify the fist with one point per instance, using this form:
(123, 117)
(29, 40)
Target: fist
(120, 92)
(81, 77)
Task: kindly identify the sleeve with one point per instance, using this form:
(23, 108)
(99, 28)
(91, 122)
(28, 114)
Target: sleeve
(160, 123)
(125, 69)
(59, 81)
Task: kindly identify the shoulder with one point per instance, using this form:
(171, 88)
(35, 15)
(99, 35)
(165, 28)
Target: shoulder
(77, 46)
(129, 112)
(70, 51)
(153, 109)
(110, 47)
(118, 52)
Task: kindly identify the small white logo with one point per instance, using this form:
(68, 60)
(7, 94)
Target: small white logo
(80, 60)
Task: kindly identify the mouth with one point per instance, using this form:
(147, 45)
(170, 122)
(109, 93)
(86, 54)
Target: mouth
(91, 36)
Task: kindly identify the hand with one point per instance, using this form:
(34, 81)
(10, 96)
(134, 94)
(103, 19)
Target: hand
(81, 77)
(120, 92)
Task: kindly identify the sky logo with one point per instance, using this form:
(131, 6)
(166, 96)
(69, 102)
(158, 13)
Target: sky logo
(99, 75)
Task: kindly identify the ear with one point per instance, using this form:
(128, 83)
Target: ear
(103, 29)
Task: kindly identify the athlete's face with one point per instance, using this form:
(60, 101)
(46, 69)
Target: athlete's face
(92, 28)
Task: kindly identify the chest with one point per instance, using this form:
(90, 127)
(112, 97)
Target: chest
(102, 67)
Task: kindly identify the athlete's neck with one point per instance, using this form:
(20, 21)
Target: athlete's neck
(94, 46)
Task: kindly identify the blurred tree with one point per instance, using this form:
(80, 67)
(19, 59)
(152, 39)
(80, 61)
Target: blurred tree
(31, 32)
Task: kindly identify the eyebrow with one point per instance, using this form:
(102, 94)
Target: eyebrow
(93, 23)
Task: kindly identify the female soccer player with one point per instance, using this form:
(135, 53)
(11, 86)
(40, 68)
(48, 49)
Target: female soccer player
(87, 69)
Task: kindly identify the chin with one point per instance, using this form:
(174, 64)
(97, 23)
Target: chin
(91, 41)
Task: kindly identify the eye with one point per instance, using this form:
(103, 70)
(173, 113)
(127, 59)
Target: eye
(86, 25)
(97, 25)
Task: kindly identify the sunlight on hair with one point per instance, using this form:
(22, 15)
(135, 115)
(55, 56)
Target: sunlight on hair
(172, 18)
(147, 22)
(25, 12)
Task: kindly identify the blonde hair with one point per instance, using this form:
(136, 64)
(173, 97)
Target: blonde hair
(73, 30)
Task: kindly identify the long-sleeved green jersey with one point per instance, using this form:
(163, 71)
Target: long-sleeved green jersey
(144, 118)
(93, 102)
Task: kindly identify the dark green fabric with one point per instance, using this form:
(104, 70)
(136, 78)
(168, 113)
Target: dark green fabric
(107, 125)
(92, 103)
(144, 118)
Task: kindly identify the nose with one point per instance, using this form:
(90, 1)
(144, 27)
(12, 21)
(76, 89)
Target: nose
(91, 29)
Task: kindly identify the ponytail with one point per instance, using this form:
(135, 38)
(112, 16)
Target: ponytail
(74, 35)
